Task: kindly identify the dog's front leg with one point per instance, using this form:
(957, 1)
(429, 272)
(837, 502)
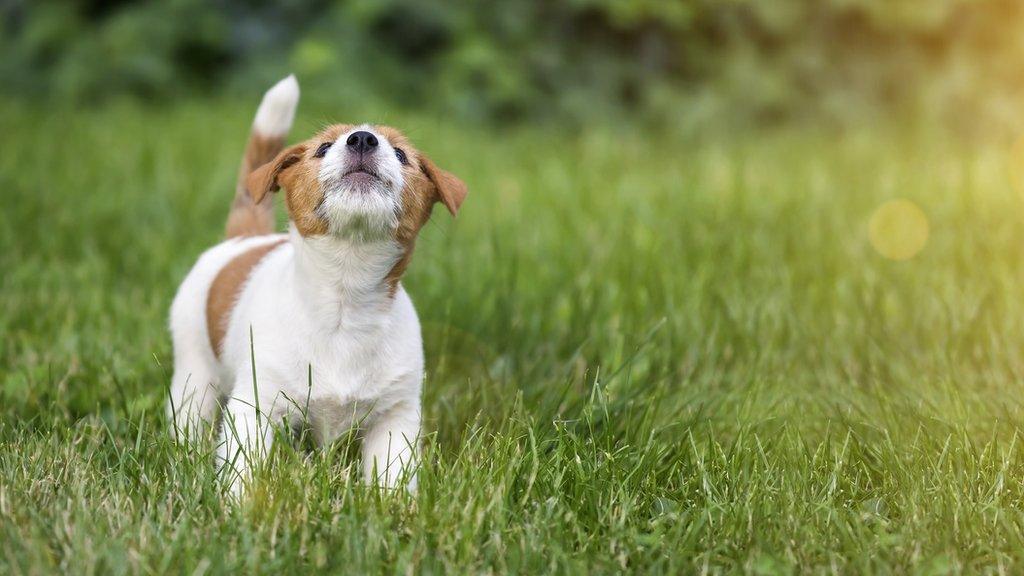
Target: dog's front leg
(391, 445)
(246, 439)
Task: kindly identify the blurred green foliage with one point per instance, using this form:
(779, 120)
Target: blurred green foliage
(673, 61)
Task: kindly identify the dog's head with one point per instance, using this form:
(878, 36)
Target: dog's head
(362, 183)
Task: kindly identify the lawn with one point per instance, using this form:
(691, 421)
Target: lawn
(644, 352)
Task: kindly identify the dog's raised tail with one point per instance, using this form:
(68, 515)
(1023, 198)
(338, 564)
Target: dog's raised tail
(269, 130)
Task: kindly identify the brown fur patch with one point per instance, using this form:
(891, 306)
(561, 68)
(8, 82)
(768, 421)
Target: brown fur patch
(418, 198)
(249, 217)
(425, 185)
(302, 185)
(227, 287)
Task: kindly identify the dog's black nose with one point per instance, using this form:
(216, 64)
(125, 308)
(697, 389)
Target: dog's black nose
(361, 141)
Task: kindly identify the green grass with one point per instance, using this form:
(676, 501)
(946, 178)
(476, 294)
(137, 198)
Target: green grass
(644, 353)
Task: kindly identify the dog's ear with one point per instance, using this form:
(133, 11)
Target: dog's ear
(450, 189)
(265, 179)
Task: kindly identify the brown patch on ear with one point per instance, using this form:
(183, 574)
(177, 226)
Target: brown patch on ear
(227, 287)
(264, 179)
(418, 199)
(292, 170)
(423, 188)
(425, 185)
(248, 217)
(450, 189)
(302, 196)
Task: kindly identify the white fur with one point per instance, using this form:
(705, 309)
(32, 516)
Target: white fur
(330, 343)
(277, 110)
(358, 212)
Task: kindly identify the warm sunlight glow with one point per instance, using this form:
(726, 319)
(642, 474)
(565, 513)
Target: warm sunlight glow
(1016, 162)
(898, 230)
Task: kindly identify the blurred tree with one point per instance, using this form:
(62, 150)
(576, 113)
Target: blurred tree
(761, 60)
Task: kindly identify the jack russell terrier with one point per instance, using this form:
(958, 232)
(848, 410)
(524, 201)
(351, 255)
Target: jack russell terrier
(312, 325)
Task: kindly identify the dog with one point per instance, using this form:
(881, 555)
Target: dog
(313, 326)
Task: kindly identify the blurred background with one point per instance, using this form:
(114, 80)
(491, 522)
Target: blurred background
(681, 64)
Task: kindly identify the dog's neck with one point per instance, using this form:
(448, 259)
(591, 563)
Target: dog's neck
(336, 275)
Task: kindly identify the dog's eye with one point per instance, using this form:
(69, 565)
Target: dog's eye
(401, 156)
(322, 149)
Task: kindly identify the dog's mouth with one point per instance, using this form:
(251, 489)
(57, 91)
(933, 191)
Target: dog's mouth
(362, 174)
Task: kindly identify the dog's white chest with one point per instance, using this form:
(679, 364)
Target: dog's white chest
(348, 384)
(346, 369)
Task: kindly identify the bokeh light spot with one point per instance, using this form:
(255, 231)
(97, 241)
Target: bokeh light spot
(898, 230)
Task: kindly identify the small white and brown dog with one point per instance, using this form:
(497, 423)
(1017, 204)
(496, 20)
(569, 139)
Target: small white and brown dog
(313, 324)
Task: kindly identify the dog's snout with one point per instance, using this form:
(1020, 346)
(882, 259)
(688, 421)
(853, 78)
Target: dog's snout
(361, 141)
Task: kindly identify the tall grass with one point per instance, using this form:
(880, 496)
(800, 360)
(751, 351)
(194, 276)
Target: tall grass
(644, 353)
